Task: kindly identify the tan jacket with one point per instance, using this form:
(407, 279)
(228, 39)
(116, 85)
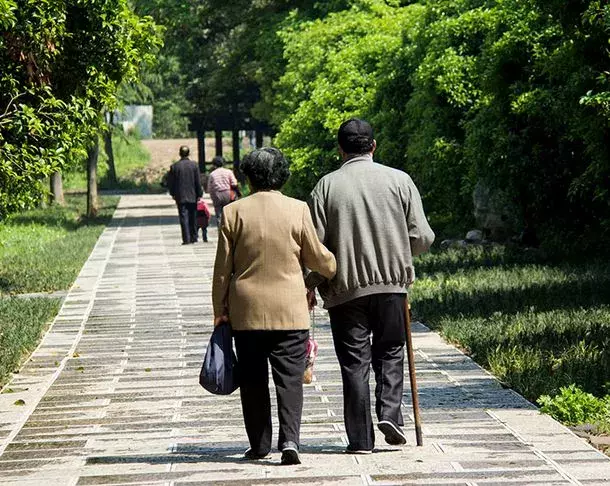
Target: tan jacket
(265, 241)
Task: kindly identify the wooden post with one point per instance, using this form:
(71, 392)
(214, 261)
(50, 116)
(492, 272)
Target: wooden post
(411, 360)
(201, 150)
(236, 147)
(218, 137)
(259, 138)
(109, 149)
(92, 203)
(238, 173)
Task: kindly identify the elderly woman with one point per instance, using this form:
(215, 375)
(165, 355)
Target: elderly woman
(264, 242)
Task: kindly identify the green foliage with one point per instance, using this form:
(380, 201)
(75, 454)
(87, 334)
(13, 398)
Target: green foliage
(60, 64)
(44, 249)
(332, 72)
(511, 93)
(130, 158)
(227, 52)
(23, 323)
(164, 86)
(572, 406)
(535, 324)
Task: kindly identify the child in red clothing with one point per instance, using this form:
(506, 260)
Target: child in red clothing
(203, 218)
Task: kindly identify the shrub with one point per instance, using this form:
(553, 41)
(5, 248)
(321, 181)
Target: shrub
(572, 406)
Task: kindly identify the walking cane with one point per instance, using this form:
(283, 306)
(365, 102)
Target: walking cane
(411, 361)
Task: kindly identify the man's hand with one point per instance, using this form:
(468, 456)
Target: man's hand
(219, 320)
(311, 299)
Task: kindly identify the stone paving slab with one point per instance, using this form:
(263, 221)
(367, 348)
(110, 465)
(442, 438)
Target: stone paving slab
(112, 396)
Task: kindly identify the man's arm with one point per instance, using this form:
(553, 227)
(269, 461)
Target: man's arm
(318, 214)
(314, 254)
(318, 217)
(421, 235)
(198, 187)
(171, 177)
(233, 180)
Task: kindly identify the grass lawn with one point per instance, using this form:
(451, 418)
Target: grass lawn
(44, 249)
(536, 325)
(41, 250)
(21, 327)
(131, 160)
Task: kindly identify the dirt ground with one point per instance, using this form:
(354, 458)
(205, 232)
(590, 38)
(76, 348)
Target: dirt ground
(165, 152)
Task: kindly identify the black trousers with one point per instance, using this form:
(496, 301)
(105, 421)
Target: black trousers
(286, 352)
(352, 323)
(187, 213)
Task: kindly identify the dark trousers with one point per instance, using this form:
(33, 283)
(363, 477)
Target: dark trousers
(352, 323)
(187, 213)
(285, 351)
(202, 223)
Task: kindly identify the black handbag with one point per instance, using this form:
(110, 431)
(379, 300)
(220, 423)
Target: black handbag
(219, 373)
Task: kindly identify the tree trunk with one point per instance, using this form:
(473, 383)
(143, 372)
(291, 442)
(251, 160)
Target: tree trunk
(109, 150)
(92, 203)
(57, 189)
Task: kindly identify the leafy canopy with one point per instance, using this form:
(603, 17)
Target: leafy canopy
(61, 62)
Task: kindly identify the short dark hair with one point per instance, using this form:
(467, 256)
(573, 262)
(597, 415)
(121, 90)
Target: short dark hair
(266, 168)
(356, 136)
(218, 161)
(184, 151)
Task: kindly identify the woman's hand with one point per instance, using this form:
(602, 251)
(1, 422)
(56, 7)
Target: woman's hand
(311, 299)
(219, 320)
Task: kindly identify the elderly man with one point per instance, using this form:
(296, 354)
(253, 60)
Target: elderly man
(185, 187)
(371, 218)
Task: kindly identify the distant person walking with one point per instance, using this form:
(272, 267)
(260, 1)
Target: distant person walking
(264, 241)
(371, 218)
(222, 187)
(185, 187)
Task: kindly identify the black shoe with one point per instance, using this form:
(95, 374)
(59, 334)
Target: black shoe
(354, 450)
(392, 432)
(290, 454)
(254, 456)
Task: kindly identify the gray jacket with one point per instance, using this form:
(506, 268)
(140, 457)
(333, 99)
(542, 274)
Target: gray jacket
(371, 218)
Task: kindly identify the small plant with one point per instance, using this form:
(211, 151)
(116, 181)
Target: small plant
(573, 406)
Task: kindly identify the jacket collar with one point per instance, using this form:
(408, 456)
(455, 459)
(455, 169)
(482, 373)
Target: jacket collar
(359, 158)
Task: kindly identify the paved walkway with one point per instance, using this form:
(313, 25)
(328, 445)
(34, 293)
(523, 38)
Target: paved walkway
(111, 395)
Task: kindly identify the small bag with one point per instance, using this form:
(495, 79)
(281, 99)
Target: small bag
(312, 352)
(219, 373)
(202, 208)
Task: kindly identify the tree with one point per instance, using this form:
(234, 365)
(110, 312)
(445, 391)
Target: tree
(61, 62)
(332, 73)
(510, 93)
(219, 55)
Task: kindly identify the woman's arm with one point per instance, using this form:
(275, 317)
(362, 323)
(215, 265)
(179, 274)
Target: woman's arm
(314, 255)
(223, 270)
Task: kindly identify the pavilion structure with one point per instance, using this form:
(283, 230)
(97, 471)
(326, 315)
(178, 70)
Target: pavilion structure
(201, 123)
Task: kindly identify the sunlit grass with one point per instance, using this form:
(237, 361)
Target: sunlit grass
(22, 323)
(44, 249)
(536, 325)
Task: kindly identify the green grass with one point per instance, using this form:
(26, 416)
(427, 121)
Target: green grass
(22, 324)
(44, 249)
(131, 159)
(536, 325)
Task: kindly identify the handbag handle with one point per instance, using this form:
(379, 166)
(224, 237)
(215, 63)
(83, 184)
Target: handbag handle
(313, 323)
